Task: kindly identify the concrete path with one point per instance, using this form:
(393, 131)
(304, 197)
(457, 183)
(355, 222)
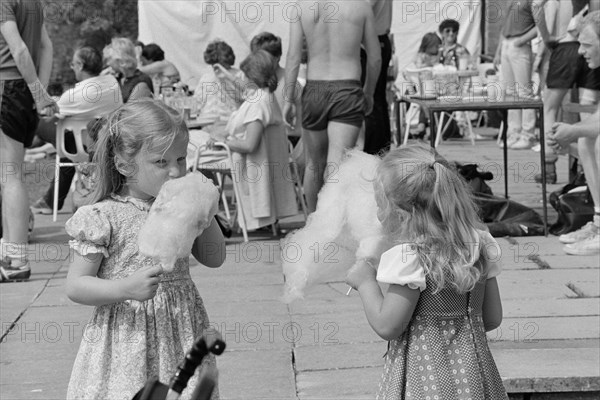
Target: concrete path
(322, 347)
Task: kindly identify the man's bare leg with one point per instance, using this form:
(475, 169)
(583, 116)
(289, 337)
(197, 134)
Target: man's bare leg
(342, 137)
(316, 144)
(15, 204)
(553, 99)
(589, 151)
(588, 147)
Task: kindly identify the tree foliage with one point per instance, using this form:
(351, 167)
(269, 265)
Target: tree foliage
(75, 23)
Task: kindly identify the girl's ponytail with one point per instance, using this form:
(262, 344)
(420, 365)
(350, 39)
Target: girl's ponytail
(108, 178)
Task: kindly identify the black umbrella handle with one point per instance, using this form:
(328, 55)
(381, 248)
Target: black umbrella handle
(211, 342)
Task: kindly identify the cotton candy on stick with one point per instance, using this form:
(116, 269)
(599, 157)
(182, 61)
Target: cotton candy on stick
(343, 229)
(183, 208)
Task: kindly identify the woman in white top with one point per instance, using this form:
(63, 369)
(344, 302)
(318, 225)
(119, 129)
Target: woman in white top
(215, 93)
(256, 135)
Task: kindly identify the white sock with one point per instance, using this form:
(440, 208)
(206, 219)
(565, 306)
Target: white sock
(15, 251)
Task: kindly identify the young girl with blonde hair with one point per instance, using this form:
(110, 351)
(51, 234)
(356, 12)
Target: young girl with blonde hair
(144, 320)
(442, 295)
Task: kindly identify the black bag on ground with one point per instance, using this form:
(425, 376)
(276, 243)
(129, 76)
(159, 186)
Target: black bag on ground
(574, 209)
(503, 217)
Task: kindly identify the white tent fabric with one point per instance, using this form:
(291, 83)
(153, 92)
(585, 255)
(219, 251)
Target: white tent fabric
(412, 19)
(183, 28)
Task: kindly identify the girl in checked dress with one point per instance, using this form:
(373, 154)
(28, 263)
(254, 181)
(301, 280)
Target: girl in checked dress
(442, 295)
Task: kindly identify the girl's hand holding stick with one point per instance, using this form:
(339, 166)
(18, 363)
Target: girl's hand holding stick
(363, 270)
(143, 284)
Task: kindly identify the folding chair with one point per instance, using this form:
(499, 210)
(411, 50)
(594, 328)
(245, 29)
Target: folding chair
(220, 162)
(297, 180)
(79, 129)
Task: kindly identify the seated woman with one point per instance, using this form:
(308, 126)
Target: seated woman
(256, 135)
(121, 59)
(93, 96)
(428, 54)
(153, 63)
(215, 94)
(451, 52)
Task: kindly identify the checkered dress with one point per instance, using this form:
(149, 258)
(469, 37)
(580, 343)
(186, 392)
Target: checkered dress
(443, 354)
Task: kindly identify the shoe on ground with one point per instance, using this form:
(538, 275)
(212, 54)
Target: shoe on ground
(587, 247)
(537, 148)
(524, 143)
(41, 207)
(588, 230)
(550, 178)
(512, 139)
(8, 273)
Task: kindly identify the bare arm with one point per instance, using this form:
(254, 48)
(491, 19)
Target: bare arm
(526, 38)
(562, 134)
(209, 247)
(492, 305)
(24, 62)
(292, 63)
(373, 50)
(254, 131)
(156, 67)
(539, 15)
(46, 53)
(83, 285)
(498, 55)
(388, 315)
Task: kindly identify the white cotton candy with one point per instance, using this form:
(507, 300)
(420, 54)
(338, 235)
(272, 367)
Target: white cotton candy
(343, 228)
(183, 208)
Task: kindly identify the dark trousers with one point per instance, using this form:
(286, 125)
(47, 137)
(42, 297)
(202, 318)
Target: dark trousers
(377, 124)
(46, 131)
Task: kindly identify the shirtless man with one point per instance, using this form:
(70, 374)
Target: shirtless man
(333, 102)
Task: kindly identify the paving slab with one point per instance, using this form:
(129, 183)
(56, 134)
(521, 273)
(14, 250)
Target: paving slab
(544, 328)
(563, 261)
(351, 383)
(564, 307)
(549, 370)
(549, 338)
(264, 374)
(339, 356)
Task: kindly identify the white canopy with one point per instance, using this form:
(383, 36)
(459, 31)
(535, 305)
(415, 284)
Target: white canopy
(183, 28)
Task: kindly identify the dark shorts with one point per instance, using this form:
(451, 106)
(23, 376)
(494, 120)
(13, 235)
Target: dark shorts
(18, 116)
(568, 69)
(339, 101)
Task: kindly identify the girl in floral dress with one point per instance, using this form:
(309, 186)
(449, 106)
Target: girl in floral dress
(144, 320)
(442, 295)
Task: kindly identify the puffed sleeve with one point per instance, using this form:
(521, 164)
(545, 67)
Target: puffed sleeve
(492, 254)
(90, 229)
(259, 109)
(400, 266)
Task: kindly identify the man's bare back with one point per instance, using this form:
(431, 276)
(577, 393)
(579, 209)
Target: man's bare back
(334, 31)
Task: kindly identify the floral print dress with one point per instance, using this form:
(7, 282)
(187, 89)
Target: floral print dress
(127, 343)
(443, 354)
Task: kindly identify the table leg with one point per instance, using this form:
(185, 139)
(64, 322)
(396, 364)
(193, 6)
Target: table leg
(543, 165)
(505, 150)
(432, 129)
(398, 122)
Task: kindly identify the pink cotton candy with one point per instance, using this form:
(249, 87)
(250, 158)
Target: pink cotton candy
(183, 208)
(343, 228)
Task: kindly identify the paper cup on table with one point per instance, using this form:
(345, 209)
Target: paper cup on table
(494, 91)
(428, 88)
(463, 64)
